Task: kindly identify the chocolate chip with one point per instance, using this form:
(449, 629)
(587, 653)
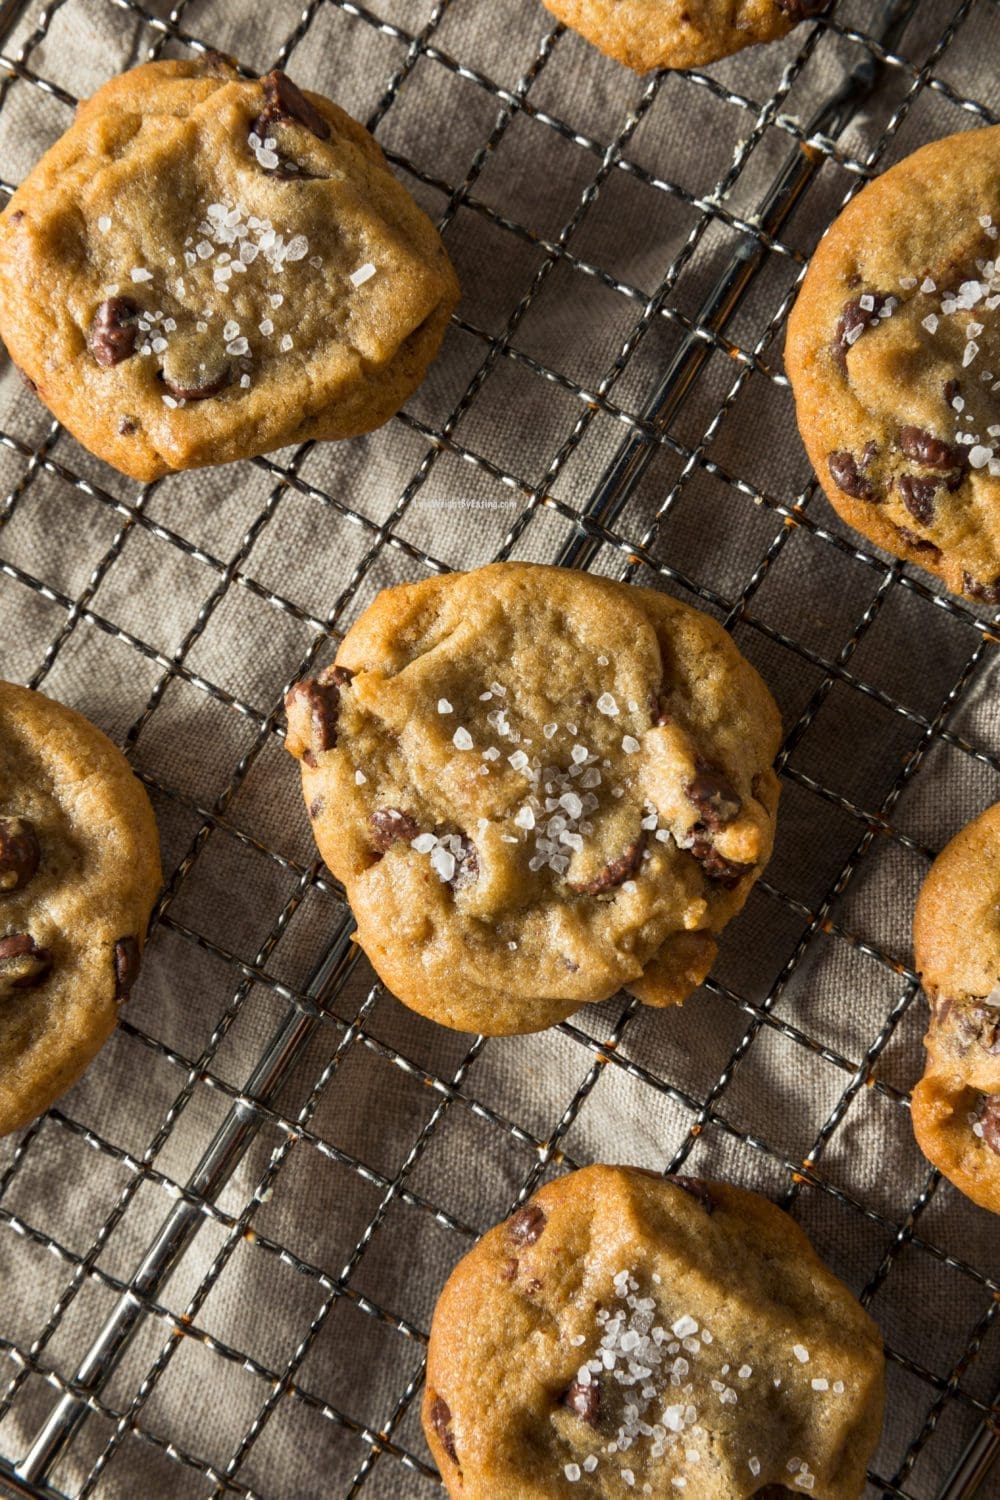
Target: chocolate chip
(584, 1401)
(440, 1419)
(525, 1226)
(322, 697)
(27, 380)
(989, 593)
(696, 1188)
(509, 1271)
(855, 317)
(316, 806)
(989, 1119)
(714, 795)
(918, 496)
(613, 874)
(114, 330)
(801, 10)
(951, 390)
(219, 63)
(718, 869)
(284, 100)
(211, 386)
(388, 825)
(19, 853)
(127, 426)
(979, 1024)
(926, 449)
(912, 540)
(22, 963)
(846, 474)
(16, 216)
(127, 961)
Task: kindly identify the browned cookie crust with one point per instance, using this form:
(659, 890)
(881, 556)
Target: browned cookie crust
(894, 355)
(625, 1334)
(537, 786)
(956, 1105)
(647, 34)
(205, 268)
(79, 871)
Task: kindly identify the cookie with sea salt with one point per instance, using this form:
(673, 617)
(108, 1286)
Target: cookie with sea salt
(79, 871)
(630, 1334)
(894, 355)
(956, 933)
(647, 34)
(537, 786)
(206, 267)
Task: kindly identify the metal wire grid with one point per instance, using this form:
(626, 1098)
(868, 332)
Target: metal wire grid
(592, 528)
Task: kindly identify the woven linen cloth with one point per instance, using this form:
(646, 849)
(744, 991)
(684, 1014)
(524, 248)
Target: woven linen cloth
(175, 616)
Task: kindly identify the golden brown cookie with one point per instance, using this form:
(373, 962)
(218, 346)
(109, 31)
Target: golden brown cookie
(646, 34)
(79, 871)
(894, 355)
(956, 935)
(628, 1334)
(205, 268)
(537, 786)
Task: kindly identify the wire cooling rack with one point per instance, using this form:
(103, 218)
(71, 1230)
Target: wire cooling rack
(129, 1209)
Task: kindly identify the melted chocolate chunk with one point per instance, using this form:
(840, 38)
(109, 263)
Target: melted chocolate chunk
(284, 100)
(19, 853)
(211, 387)
(714, 795)
(926, 449)
(989, 1119)
(725, 872)
(388, 825)
(127, 426)
(613, 874)
(316, 806)
(988, 593)
(951, 390)
(918, 543)
(322, 697)
(220, 64)
(27, 380)
(114, 331)
(585, 1401)
(845, 471)
(918, 496)
(22, 963)
(980, 1024)
(853, 318)
(127, 961)
(696, 1188)
(440, 1419)
(525, 1226)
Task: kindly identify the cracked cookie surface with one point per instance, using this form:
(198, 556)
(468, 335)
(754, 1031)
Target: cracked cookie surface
(537, 786)
(626, 1334)
(647, 34)
(956, 930)
(894, 356)
(206, 267)
(79, 872)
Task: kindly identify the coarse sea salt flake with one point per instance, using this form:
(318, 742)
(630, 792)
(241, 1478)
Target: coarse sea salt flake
(444, 707)
(930, 323)
(630, 745)
(607, 705)
(462, 739)
(286, 343)
(362, 274)
(104, 223)
(684, 1327)
(139, 274)
(801, 1353)
(980, 456)
(360, 778)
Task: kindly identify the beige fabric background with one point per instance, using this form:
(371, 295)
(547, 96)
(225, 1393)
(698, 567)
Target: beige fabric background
(236, 610)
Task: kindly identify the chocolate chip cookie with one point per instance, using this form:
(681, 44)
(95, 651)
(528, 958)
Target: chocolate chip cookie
(646, 34)
(956, 931)
(79, 871)
(625, 1333)
(537, 786)
(894, 355)
(207, 267)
